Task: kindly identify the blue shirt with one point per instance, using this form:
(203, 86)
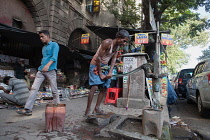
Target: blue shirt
(50, 52)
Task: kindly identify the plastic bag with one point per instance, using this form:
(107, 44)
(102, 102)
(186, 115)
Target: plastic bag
(172, 96)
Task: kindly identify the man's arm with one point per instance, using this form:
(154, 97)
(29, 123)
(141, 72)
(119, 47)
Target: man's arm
(109, 75)
(53, 58)
(2, 88)
(104, 46)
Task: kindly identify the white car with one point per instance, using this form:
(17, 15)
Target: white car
(198, 87)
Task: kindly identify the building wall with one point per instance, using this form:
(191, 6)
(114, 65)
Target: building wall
(60, 17)
(16, 9)
(65, 19)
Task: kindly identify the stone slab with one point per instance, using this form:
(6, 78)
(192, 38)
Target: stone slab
(103, 120)
(133, 103)
(114, 130)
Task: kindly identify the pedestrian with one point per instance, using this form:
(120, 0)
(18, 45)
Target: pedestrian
(47, 70)
(20, 69)
(98, 76)
(20, 92)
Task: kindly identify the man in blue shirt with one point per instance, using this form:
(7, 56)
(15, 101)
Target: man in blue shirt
(46, 70)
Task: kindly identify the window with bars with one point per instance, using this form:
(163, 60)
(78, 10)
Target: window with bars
(93, 6)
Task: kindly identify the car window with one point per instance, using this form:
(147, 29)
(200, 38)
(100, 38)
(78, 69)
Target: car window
(204, 66)
(196, 70)
(207, 66)
(188, 75)
(199, 68)
(186, 71)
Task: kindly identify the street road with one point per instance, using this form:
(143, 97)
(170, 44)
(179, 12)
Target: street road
(189, 115)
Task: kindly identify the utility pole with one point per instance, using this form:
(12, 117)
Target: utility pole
(156, 80)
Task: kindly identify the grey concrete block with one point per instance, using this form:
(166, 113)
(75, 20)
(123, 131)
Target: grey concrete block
(103, 120)
(133, 103)
(115, 130)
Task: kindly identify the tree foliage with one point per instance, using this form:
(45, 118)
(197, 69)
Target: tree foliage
(125, 11)
(183, 38)
(205, 55)
(186, 26)
(176, 58)
(172, 13)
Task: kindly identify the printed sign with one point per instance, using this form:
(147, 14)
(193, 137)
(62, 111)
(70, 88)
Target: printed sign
(170, 40)
(141, 38)
(85, 38)
(150, 90)
(164, 83)
(129, 64)
(166, 39)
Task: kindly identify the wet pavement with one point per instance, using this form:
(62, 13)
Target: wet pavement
(187, 123)
(18, 127)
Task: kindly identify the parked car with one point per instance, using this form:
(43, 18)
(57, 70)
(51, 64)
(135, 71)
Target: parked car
(181, 80)
(198, 87)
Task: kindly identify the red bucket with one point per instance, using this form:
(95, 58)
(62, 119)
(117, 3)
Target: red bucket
(55, 117)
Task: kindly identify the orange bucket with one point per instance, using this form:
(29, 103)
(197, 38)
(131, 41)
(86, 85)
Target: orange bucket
(55, 117)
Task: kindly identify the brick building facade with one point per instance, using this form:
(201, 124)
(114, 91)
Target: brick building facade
(65, 19)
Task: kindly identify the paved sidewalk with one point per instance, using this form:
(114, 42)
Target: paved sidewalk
(18, 127)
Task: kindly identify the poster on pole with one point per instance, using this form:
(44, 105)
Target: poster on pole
(166, 39)
(150, 90)
(85, 38)
(129, 64)
(164, 91)
(170, 40)
(141, 38)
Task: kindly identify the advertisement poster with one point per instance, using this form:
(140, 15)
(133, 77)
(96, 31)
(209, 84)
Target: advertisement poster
(141, 38)
(166, 39)
(170, 40)
(150, 90)
(164, 91)
(130, 63)
(85, 38)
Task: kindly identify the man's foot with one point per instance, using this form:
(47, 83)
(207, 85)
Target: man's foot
(87, 113)
(99, 112)
(90, 116)
(26, 112)
(15, 107)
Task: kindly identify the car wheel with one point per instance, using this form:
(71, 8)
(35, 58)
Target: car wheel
(189, 101)
(201, 109)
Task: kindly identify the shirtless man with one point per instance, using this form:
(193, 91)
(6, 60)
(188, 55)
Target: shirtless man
(107, 50)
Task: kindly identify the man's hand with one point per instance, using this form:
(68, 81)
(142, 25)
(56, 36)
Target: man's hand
(102, 76)
(109, 75)
(45, 68)
(1, 87)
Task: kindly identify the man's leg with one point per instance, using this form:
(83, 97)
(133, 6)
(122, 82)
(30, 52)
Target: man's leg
(51, 76)
(9, 98)
(99, 100)
(34, 90)
(90, 98)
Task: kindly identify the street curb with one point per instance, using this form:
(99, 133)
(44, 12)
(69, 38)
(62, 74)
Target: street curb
(201, 134)
(166, 130)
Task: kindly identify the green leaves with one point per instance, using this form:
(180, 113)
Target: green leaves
(125, 11)
(206, 54)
